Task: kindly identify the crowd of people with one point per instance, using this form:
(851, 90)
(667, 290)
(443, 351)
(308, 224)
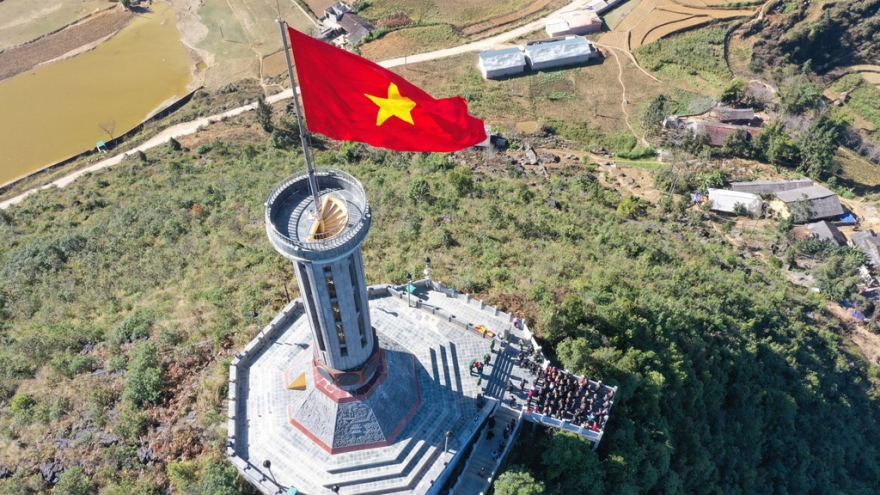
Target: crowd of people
(565, 397)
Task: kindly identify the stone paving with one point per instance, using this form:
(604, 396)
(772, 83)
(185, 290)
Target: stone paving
(443, 350)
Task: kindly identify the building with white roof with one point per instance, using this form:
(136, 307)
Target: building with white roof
(582, 21)
(569, 51)
(727, 201)
(499, 63)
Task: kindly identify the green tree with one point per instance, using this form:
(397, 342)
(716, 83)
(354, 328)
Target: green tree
(799, 96)
(734, 92)
(654, 114)
(738, 144)
(817, 146)
(572, 466)
(174, 145)
(218, 478)
(144, 382)
(775, 146)
(518, 481)
(263, 114)
(419, 190)
(73, 482)
(461, 179)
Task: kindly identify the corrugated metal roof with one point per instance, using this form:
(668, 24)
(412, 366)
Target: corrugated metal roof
(802, 193)
(502, 59)
(869, 243)
(811, 203)
(828, 232)
(770, 186)
(732, 114)
(562, 49)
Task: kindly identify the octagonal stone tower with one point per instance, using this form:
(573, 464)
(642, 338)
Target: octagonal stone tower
(325, 248)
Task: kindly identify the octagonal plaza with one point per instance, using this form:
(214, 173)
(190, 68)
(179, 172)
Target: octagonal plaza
(398, 444)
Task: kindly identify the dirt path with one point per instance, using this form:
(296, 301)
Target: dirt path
(68, 41)
(624, 101)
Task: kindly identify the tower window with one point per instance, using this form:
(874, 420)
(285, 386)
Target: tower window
(331, 287)
(352, 272)
(340, 334)
(362, 330)
(310, 306)
(337, 315)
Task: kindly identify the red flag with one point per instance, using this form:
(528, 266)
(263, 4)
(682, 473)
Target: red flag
(348, 97)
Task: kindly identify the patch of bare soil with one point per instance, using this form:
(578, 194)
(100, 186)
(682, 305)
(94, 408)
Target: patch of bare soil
(25, 57)
(868, 342)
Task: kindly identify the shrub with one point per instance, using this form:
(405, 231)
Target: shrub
(144, 383)
(218, 478)
(82, 364)
(135, 327)
(73, 482)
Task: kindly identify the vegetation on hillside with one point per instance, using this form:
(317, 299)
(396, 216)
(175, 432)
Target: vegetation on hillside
(684, 56)
(124, 295)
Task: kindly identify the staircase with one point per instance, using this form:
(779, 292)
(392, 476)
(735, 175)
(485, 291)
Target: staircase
(481, 468)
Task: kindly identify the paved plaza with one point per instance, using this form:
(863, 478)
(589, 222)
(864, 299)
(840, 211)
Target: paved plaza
(429, 338)
(442, 344)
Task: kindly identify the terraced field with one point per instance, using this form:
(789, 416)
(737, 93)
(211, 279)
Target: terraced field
(870, 73)
(655, 19)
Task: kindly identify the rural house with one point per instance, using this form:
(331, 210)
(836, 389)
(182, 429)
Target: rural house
(583, 21)
(770, 186)
(499, 63)
(727, 201)
(807, 203)
(869, 243)
(340, 20)
(549, 54)
(827, 231)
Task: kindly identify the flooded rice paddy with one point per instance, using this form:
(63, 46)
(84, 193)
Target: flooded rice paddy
(54, 112)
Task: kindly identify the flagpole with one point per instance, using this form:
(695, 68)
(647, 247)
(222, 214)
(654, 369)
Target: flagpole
(303, 136)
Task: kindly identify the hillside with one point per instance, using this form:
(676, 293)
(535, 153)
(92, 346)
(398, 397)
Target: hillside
(124, 296)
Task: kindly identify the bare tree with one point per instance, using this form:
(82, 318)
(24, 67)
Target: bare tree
(108, 126)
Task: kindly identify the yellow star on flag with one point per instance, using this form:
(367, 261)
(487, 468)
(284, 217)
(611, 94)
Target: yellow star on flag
(396, 105)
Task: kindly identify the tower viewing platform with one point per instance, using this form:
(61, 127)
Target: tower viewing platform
(291, 218)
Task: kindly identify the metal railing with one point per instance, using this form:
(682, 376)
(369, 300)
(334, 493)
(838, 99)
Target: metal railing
(326, 246)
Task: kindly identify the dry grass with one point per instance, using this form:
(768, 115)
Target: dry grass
(412, 40)
(856, 169)
(240, 33)
(456, 12)
(614, 17)
(24, 20)
(659, 20)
